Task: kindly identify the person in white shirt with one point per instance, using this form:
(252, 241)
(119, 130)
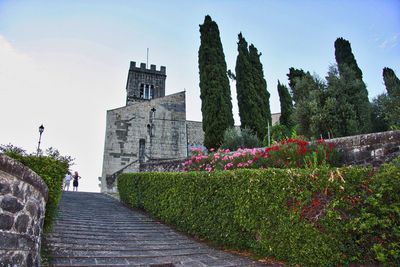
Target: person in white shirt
(67, 181)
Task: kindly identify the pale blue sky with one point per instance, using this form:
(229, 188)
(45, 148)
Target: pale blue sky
(64, 63)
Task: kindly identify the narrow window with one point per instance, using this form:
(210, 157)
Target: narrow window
(141, 90)
(147, 93)
(151, 91)
(142, 149)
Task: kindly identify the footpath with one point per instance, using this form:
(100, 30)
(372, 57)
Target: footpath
(93, 229)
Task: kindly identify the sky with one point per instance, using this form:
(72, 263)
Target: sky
(63, 64)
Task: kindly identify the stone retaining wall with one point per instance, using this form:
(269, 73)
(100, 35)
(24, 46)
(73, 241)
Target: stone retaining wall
(23, 196)
(174, 165)
(369, 149)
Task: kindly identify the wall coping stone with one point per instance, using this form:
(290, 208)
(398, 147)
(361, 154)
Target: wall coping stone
(17, 169)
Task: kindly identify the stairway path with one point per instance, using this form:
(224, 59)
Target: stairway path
(94, 229)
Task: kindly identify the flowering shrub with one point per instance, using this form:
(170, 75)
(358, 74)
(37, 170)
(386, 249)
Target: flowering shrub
(290, 153)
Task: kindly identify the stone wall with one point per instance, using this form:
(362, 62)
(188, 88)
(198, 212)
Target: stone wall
(162, 166)
(146, 130)
(23, 196)
(369, 149)
(195, 135)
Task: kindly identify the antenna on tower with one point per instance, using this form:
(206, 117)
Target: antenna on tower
(147, 62)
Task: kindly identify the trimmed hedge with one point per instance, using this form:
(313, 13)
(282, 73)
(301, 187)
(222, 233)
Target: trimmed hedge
(299, 216)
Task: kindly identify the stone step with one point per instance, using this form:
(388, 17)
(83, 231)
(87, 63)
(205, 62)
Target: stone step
(93, 229)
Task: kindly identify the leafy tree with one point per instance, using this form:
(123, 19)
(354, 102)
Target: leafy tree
(358, 97)
(215, 94)
(235, 138)
(252, 94)
(340, 114)
(286, 106)
(309, 94)
(294, 76)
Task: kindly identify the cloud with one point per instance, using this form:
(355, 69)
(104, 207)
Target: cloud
(390, 42)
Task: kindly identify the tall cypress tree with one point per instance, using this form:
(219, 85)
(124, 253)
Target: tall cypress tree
(252, 94)
(215, 94)
(358, 98)
(392, 83)
(260, 85)
(286, 106)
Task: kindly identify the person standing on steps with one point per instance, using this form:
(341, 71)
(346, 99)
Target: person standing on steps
(67, 181)
(75, 183)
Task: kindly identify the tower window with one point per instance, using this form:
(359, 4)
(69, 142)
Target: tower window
(151, 91)
(141, 90)
(147, 92)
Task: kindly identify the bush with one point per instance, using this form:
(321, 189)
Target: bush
(51, 169)
(376, 228)
(290, 153)
(308, 217)
(235, 138)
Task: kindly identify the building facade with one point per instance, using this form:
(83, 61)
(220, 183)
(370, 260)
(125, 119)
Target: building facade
(150, 127)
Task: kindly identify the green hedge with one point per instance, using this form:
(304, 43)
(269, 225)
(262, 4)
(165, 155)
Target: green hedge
(299, 216)
(52, 171)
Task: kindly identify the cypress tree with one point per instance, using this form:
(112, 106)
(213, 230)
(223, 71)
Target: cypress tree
(215, 94)
(260, 85)
(286, 106)
(252, 94)
(392, 83)
(358, 98)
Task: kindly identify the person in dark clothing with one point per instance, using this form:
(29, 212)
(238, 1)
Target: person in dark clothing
(75, 184)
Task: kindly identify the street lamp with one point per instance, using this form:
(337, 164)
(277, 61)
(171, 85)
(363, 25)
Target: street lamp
(41, 129)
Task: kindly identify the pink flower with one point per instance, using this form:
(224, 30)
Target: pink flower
(228, 166)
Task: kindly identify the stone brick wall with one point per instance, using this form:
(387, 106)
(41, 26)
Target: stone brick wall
(369, 149)
(23, 196)
(161, 134)
(195, 135)
(174, 165)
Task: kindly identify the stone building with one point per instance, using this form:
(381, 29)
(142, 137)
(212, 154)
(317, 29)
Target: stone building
(150, 127)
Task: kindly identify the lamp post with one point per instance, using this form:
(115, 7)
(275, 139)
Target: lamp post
(41, 129)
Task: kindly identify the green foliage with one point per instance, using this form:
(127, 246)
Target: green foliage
(344, 57)
(294, 76)
(279, 132)
(215, 94)
(52, 169)
(377, 227)
(235, 138)
(357, 94)
(308, 107)
(340, 110)
(386, 107)
(286, 106)
(307, 217)
(392, 83)
(251, 88)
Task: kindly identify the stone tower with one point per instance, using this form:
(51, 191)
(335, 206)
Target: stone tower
(145, 83)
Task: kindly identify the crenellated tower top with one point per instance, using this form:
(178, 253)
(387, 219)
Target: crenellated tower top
(144, 83)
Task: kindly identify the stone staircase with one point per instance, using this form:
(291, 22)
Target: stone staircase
(94, 229)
